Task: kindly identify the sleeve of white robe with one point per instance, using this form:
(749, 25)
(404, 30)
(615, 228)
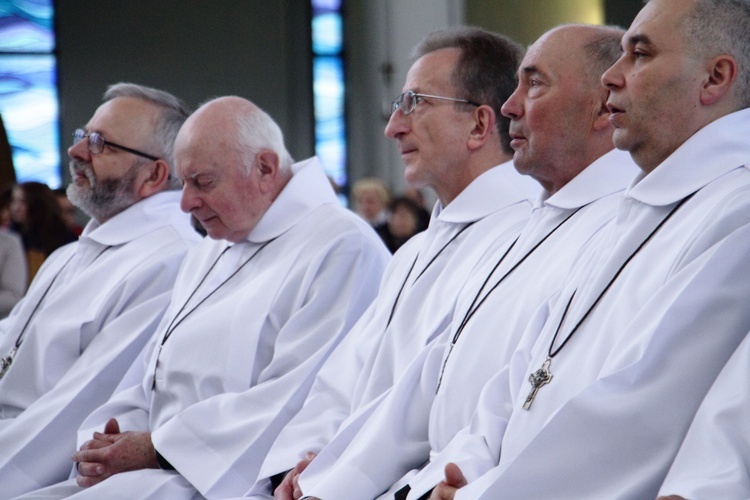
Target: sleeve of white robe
(219, 444)
(390, 442)
(714, 460)
(329, 401)
(693, 324)
(136, 309)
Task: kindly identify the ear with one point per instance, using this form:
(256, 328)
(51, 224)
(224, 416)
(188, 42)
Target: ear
(154, 178)
(722, 73)
(483, 127)
(268, 164)
(601, 112)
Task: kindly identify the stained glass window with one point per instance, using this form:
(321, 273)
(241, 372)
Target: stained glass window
(328, 89)
(28, 88)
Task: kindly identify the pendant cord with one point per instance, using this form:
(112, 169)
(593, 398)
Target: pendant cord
(175, 323)
(551, 353)
(476, 303)
(7, 360)
(406, 279)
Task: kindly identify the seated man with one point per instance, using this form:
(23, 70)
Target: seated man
(256, 309)
(459, 147)
(95, 302)
(598, 401)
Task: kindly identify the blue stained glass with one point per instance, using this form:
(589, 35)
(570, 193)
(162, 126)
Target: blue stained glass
(26, 26)
(326, 6)
(327, 34)
(329, 90)
(29, 107)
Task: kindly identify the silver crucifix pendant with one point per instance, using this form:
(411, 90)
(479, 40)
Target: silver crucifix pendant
(6, 361)
(537, 379)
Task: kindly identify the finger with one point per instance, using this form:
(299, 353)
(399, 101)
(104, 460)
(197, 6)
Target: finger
(90, 469)
(90, 455)
(453, 476)
(95, 444)
(89, 481)
(297, 490)
(107, 438)
(112, 426)
(443, 492)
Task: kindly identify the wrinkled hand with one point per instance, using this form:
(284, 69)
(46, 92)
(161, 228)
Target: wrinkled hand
(111, 452)
(454, 479)
(289, 488)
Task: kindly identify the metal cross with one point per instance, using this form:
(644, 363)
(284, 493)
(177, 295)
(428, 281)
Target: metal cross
(537, 379)
(6, 361)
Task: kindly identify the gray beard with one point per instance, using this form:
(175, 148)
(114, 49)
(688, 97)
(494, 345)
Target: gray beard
(102, 200)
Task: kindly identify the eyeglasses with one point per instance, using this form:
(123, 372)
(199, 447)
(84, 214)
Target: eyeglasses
(407, 102)
(97, 143)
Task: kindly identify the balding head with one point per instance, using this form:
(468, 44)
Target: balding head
(231, 158)
(559, 119)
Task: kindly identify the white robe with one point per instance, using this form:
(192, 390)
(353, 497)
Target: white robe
(239, 365)
(112, 290)
(626, 386)
(498, 203)
(714, 459)
(413, 418)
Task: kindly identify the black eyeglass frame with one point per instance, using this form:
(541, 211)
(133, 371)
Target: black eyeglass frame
(81, 134)
(396, 104)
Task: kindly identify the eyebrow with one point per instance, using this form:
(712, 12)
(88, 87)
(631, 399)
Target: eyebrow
(639, 38)
(530, 70)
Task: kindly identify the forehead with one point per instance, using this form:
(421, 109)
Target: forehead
(124, 117)
(555, 55)
(659, 22)
(433, 71)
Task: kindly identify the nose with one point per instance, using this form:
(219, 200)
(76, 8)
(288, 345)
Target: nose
(397, 125)
(80, 151)
(190, 200)
(613, 77)
(512, 108)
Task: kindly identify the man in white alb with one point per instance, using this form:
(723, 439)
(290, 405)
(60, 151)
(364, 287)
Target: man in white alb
(452, 138)
(257, 307)
(597, 407)
(95, 303)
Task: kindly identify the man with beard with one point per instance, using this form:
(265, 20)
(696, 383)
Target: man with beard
(95, 302)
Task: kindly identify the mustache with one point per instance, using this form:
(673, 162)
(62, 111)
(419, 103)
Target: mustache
(77, 166)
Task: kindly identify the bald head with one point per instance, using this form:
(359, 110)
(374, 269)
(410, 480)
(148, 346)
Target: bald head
(559, 118)
(233, 164)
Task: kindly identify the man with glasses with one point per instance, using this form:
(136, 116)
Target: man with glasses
(452, 138)
(94, 303)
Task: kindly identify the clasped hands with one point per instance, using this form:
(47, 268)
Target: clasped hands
(111, 452)
(289, 488)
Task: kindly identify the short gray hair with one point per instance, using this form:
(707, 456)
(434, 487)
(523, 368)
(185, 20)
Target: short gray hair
(485, 71)
(603, 50)
(257, 131)
(173, 115)
(721, 27)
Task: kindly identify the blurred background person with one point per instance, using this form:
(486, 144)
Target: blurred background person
(404, 221)
(68, 212)
(36, 218)
(371, 197)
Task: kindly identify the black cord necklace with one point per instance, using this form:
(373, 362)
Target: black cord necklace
(7, 360)
(406, 279)
(477, 303)
(176, 322)
(543, 376)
